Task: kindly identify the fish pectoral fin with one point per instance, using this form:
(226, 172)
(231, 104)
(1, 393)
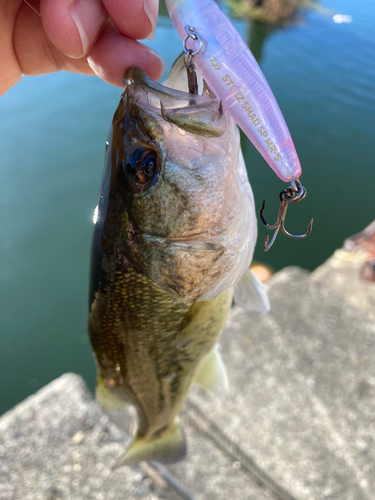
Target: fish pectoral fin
(107, 401)
(211, 374)
(250, 295)
(169, 447)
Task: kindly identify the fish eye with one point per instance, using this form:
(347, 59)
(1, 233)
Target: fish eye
(141, 168)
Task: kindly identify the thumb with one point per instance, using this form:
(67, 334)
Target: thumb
(73, 25)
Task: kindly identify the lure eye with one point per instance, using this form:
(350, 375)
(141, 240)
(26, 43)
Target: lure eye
(141, 168)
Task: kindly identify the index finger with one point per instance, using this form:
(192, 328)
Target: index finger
(134, 18)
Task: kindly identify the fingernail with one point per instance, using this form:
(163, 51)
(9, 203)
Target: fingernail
(89, 17)
(151, 8)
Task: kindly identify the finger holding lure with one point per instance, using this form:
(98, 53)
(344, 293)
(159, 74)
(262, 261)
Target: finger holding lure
(231, 71)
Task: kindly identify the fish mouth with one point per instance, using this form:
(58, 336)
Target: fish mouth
(200, 114)
(184, 267)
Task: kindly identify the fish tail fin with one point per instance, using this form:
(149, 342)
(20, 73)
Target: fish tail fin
(168, 447)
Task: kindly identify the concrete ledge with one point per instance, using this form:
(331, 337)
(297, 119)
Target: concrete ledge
(52, 446)
(297, 422)
(342, 274)
(58, 444)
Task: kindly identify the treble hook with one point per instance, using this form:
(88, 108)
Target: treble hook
(296, 192)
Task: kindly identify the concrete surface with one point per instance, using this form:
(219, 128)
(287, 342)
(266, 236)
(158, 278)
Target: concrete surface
(342, 274)
(302, 391)
(297, 423)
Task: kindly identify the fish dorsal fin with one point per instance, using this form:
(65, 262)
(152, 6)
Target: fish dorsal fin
(250, 295)
(211, 374)
(169, 447)
(107, 401)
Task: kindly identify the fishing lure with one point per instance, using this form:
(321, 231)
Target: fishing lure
(231, 71)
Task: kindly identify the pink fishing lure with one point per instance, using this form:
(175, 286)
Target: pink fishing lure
(232, 72)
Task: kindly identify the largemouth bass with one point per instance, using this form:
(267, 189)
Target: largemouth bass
(175, 230)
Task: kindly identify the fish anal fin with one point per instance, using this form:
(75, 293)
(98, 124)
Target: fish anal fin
(211, 374)
(250, 295)
(106, 399)
(169, 447)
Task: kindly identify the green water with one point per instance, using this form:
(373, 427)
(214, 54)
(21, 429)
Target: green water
(52, 133)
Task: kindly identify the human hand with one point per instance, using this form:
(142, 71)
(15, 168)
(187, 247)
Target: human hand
(82, 36)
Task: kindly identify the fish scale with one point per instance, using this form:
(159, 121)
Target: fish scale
(138, 320)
